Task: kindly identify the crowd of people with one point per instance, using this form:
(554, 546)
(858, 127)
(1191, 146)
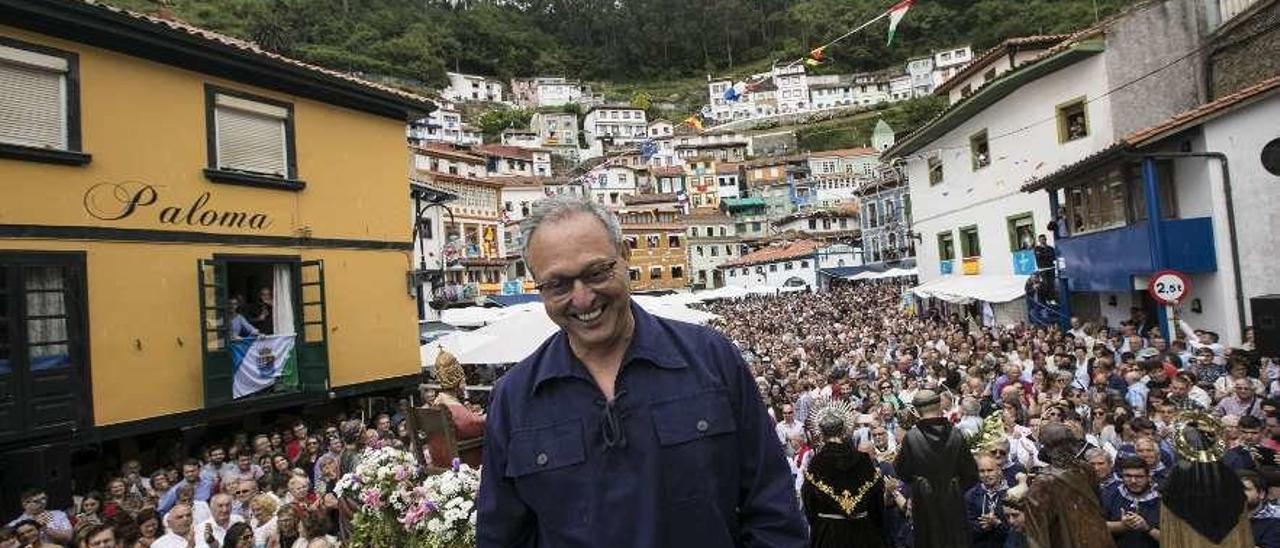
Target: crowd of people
(269, 489)
(1012, 391)
(1118, 389)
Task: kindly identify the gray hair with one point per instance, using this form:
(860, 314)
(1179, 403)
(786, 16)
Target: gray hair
(555, 208)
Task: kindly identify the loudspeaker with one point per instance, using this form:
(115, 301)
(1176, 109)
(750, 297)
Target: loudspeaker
(1266, 324)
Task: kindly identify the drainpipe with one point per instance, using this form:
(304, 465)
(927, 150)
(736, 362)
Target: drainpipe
(1231, 215)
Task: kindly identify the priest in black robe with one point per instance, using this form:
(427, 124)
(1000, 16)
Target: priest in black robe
(938, 468)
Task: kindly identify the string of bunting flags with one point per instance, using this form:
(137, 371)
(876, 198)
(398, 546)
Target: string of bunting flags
(817, 56)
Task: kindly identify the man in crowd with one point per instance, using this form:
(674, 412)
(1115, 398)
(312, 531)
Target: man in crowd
(178, 525)
(213, 531)
(938, 468)
(1264, 515)
(625, 429)
(984, 505)
(54, 525)
(789, 425)
(1133, 510)
(190, 476)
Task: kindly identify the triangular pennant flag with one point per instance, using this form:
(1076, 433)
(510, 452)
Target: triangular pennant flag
(896, 14)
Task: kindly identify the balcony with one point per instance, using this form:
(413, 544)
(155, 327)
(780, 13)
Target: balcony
(1108, 260)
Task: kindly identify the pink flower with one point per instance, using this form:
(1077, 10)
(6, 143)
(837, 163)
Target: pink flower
(372, 498)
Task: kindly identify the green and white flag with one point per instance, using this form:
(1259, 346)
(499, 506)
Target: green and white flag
(261, 362)
(896, 13)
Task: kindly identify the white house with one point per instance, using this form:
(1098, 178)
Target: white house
(920, 70)
(661, 128)
(547, 91)
(965, 168)
(830, 91)
(900, 88)
(793, 87)
(609, 184)
(468, 87)
(1221, 236)
(712, 241)
(508, 161)
(447, 159)
(616, 124)
(727, 180)
(1010, 54)
(847, 161)
(787, 264)
(443, 125)
(947, 63)
(523, 138)
(820, 223)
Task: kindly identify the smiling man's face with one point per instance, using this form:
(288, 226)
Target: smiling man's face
(583, 279)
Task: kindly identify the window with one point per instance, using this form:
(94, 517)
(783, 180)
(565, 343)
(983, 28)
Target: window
(1022, 232)
(652, 241)
(969, 242)
(989, 75)
(946, 247)
(715, 251)
(728, 250)
(724, 231)
(677, 272)
(755, 226)
(1164, 184)
(508, 207)
(673, 240)
(39, 104)
(632, 242)
(633, 274)
(979, 151)
(935, 169)
(699, 250)
(844, 223)
(788, 266)
(43, 343)
(773, 267)
(250, 140)
(813, 224)
(655, 273)
(804, 264)
(1073, 121)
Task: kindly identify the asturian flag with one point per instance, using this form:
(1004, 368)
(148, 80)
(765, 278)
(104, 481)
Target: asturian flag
(261, 362)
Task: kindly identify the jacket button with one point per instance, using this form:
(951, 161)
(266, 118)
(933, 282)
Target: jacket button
(703, 426)
(542, 459)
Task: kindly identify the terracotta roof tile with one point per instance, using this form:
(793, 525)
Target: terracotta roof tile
(773, 254)
(445, 150)
(506, 151)
(858, 151)
(1203, 112)
(1018, 43)
(640, 199)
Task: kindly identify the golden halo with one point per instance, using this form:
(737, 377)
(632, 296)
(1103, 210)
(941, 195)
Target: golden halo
(1202, 421)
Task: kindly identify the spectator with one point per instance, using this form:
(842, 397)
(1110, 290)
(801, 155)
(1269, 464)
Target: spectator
(1264, 515)
(1243, 401)
(202, 488)
(179, 521)
(100, 536)
(149, 527)
(212, 532)
(1133, 510)
(54, 525)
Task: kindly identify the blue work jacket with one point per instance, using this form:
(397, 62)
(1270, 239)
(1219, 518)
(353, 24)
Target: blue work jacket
(685, 455)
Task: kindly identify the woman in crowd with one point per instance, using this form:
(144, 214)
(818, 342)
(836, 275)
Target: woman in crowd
(149, 527)
(263, 518)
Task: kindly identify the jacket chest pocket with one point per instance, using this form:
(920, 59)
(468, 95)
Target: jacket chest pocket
(695, 435)
(546, 463)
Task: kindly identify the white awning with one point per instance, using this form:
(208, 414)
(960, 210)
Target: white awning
(898, 273)
(966, 289)
(513, 335)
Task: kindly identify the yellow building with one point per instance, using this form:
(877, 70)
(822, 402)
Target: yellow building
(654, 233)
(151, 171)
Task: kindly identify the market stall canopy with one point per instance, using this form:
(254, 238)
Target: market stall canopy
(966, 289)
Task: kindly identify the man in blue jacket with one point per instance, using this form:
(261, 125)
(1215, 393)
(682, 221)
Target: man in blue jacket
(624, 429)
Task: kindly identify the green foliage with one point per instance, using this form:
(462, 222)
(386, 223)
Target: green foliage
(856, 131)
(492, 122)
(613, 40)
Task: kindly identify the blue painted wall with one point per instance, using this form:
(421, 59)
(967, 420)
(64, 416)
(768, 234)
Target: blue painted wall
(1108, 260)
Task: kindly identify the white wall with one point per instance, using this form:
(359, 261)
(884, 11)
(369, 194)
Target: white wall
(986, 197)
(1256, 197)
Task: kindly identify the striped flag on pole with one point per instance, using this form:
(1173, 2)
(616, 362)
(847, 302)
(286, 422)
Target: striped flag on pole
(896, 13)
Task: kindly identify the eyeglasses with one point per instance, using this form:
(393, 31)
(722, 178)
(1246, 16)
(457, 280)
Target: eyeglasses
(593, 276)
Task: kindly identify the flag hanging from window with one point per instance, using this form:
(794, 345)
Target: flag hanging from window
(262, 362)
(648, 149)
(896, 13)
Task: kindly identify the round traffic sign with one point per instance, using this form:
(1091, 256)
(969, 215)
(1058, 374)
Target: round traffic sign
(1169, 286)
